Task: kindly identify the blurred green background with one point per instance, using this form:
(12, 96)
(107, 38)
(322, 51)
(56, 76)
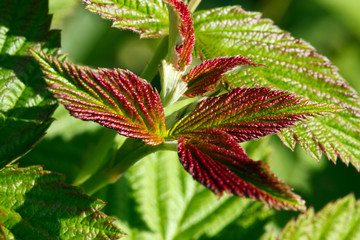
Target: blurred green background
(331, 26)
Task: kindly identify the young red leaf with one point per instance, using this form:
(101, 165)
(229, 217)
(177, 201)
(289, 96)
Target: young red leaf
(217, 161)
(116, 99)
(248, 113)
(185, 47)
(205, 77)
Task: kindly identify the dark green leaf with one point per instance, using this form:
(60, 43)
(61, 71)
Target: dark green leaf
(35, 204)
(25, 104)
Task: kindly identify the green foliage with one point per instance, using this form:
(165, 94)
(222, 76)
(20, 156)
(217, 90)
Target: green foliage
(157, 199)
(148, 18)
(35, 204)
(293, 65)
(25, 105)
(338, 220)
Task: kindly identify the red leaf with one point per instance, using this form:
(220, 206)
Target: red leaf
(217, 161)
(248, 113)
(205, 77)
(186, 29)
(116, 99)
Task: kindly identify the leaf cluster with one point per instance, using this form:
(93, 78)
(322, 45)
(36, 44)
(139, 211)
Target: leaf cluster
(229, 77)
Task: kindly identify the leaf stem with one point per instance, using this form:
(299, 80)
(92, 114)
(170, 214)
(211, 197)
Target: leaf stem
(194, 4)
(153, 66)
(122, 161)
(96, 156)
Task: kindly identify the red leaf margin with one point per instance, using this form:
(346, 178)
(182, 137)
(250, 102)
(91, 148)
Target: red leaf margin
(117, 99)
(218, 162)
(186, 29)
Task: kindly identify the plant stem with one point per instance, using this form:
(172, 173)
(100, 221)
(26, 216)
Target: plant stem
(95, 156)
(123, 160)
(193, 4)
(153, 66)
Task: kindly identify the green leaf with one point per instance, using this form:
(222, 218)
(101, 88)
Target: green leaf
(25, 104)
(37, 205)
(293, 65)
(148, 18)
(117, 99)
(338, 220)
(157, 199)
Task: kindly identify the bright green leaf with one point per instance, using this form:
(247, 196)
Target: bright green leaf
(157, 199)
(293, 65)
(338, 220)
(35, 204)
(25, 105)
(148, 18)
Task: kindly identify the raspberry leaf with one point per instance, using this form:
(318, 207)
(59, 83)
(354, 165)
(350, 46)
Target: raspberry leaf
(182, 39)
(337, 220)
(36, 204)
(248, 113)
(117, 99)
(216, 160)
(207, 75)
(25, 104)
(148, 18)
(293, 65)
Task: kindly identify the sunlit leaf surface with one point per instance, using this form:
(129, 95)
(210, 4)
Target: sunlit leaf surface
(293, 65)
(148, 18)
(338, 220)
